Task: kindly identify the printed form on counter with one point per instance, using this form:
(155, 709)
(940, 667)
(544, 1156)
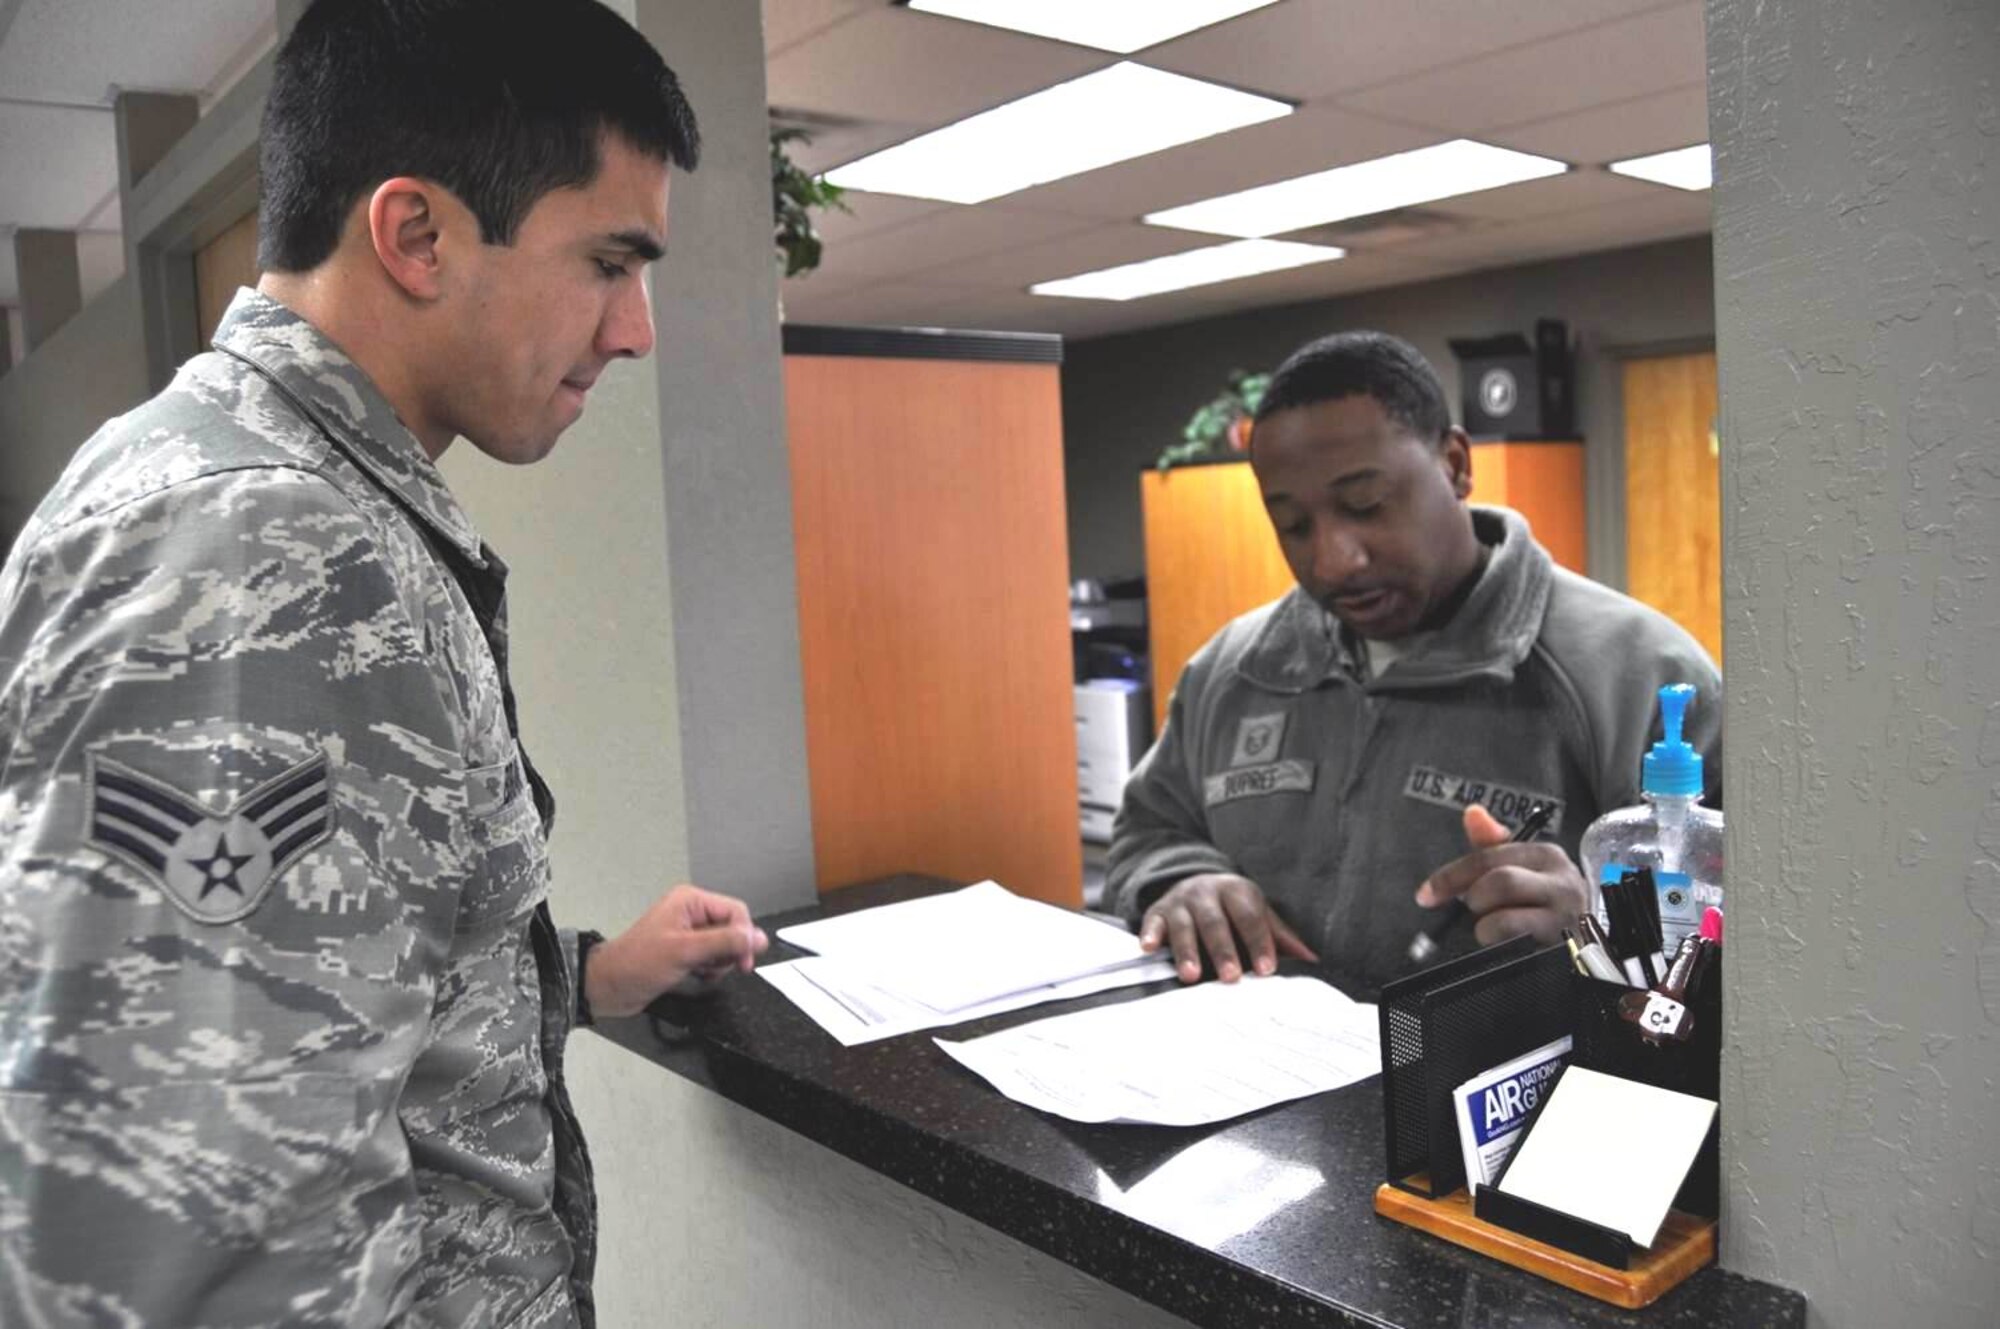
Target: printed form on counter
(1185, 1058)
(944, 959)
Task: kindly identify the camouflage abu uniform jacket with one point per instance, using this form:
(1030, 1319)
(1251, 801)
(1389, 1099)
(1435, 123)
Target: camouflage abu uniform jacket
(281, 1006)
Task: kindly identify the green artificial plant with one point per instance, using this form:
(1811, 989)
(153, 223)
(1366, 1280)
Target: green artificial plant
(794, 193)
(1221, 428)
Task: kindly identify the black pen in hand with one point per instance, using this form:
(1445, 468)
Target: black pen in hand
(1426, 944)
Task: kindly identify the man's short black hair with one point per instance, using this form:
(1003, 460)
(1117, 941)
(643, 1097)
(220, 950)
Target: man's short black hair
(499, 101)
(1362, 364)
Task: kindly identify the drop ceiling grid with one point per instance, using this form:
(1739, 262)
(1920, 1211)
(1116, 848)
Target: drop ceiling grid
(1587, 80)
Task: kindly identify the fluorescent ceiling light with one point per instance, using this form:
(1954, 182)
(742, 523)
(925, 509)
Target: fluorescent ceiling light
(1109, 25)
(1125, 111)
(1197, 267)
(1683, 168)
(1441, 171)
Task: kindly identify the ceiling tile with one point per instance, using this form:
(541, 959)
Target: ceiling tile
(871, 212)
(837, 140)
(1662, 214)
(1101, 246)
(1319, 282)
(1310, 48)
(57, 162)
(77, 50)
(1311, 139)
(1671, 119)
(947, 237)
(900, 67)
(1611, 62)
(789, 21)
(878, 304)
(1589, 188)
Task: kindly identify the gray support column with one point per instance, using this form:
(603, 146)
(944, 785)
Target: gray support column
(1857, 153)
(51, 287)
(6, 341)
(728, 474)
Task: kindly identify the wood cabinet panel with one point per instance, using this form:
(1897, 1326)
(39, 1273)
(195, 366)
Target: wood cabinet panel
(933, 620)
(1210, 555)
(1544, 482)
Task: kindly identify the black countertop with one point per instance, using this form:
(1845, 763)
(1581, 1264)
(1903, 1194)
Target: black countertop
(1264, 1220)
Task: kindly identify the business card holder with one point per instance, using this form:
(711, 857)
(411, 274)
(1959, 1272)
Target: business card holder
(1445, 1025)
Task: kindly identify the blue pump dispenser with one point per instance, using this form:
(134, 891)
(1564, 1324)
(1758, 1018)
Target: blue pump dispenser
(1673, 767)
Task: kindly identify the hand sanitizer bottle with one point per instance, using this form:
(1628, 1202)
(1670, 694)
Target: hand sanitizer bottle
(1670, 832)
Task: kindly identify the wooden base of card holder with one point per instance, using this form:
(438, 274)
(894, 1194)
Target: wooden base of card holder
(1685, 1244)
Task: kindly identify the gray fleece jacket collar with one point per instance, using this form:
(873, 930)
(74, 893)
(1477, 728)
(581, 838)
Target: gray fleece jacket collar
(1493, 631)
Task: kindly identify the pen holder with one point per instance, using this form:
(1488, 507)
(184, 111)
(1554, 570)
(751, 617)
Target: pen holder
(1442, 1026)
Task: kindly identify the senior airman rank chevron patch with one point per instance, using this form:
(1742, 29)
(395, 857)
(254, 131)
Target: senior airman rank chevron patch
(215, 869)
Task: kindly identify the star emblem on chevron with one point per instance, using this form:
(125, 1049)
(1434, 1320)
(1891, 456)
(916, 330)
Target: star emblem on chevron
(219, 869)
(215, 868)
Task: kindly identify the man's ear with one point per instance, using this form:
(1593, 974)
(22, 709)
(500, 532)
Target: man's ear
(1457, 453)
(406, 222)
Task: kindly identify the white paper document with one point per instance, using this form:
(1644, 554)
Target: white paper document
(844, 1002)
(1610, 1150)
(1184, 1058)
(959, 950)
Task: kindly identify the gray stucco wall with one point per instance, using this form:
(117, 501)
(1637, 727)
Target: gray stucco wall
(1857, 250)
(92, 369)
(1126, 397)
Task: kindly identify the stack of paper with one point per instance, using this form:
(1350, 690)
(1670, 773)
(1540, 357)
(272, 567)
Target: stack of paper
(947, 958)
(1184, 1058)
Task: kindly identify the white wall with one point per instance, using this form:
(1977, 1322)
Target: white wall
(1858, 320)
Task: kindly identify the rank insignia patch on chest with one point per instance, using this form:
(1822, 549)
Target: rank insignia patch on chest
(1258, 738)
(215, 869)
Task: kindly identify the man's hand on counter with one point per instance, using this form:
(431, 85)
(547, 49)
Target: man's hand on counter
(1511, 888)
(687, 939)
(1226, 916)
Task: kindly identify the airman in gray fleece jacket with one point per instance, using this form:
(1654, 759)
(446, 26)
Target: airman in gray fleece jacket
(1337, 766)
(1337, 793)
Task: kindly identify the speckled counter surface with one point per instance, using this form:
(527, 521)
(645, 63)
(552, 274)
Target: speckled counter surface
(1267, 1220)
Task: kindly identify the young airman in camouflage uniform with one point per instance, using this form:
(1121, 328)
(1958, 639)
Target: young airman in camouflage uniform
(282, 1007)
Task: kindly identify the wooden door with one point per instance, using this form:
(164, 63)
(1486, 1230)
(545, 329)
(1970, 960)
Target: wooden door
(1673, 492)
(933, 566)
(225, 263)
